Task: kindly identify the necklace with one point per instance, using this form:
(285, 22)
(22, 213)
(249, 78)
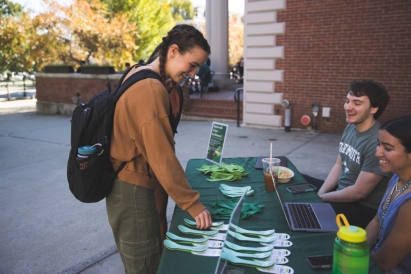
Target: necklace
(388, 202)
(403, 188)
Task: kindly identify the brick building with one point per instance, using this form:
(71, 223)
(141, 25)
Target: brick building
(306, 52)
(310, 51)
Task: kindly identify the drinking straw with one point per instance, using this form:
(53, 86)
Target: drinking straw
(271, 152)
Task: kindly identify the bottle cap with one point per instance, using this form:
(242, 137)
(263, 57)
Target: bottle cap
(86, 150)
(350, 233)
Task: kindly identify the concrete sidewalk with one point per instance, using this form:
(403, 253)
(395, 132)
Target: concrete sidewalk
(44, 229)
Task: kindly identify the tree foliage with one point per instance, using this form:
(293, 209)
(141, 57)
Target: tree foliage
(9, 8)
(85, 31)
(182, 10)
(153, 19)
(17, 38)
(235, 40)
(103, 31)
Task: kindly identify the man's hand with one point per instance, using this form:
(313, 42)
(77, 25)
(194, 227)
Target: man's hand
(203, 219)
(332, 179)
(363, 186)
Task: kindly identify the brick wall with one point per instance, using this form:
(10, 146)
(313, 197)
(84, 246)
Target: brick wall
(60, 88)
(329, 43)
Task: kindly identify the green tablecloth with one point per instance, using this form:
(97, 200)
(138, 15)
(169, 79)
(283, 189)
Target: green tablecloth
(304, 244)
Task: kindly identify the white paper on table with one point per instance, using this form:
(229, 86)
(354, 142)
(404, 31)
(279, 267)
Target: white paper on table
(277, 269)
(212, 244)
(224, 227)
(209, 252)
(218, 236)
(279, 243)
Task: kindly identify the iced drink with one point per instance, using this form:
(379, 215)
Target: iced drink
(272, 164)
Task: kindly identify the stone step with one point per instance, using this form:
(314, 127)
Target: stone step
(213, 102)
(232, 86)
(213, 115)
(213, 109)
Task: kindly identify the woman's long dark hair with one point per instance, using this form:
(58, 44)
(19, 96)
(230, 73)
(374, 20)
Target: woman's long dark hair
(400, 128)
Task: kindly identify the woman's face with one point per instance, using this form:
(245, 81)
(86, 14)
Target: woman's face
(179, 66)
(392, 154)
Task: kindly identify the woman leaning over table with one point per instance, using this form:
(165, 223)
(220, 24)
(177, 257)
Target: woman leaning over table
(389, 233)
(143, 137)
(160, 194)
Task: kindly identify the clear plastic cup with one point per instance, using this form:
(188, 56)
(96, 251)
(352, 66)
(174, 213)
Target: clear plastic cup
(272, 164)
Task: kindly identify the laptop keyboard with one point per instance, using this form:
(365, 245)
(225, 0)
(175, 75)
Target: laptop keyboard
(304, 216)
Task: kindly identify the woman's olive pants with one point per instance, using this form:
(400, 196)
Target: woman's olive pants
(133, 217)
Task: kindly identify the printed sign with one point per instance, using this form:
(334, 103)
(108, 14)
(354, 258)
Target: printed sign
(216, 143)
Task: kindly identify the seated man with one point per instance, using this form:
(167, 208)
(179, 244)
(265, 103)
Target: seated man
(355, 184)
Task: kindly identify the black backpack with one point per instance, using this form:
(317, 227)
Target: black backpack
(92, 125)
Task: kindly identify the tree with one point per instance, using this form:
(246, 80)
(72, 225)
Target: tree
(9, 8)
(182, 10)
(235, 40)
(83, 31)
(153, 19)
(16, 41)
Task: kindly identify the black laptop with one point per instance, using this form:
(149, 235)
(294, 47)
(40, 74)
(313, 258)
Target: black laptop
(310, 217)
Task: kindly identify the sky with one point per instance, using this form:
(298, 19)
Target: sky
(39, 6)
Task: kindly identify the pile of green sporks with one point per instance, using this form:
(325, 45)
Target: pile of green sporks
(224, 172)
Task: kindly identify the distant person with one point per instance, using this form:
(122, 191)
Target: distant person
(240, 66)
(204, 73)
(355, 184)
(127, 66)
(143, 137)
(77, 98)
(141, 62)
(389, 232)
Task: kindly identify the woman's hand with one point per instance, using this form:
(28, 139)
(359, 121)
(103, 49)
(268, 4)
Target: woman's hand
(203, 219)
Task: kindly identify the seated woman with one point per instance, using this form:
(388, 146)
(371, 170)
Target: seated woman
(389, 232)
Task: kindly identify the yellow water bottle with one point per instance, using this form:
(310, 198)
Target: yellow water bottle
(351, 250)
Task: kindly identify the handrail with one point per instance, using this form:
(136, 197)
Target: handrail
(237, 99)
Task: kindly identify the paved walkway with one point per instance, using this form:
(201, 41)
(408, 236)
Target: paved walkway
(44, 229)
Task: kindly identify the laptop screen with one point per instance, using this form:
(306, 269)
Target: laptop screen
(280, 200)
(222, 267)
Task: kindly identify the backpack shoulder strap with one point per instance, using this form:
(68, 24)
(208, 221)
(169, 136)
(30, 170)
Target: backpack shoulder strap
(118, 84)
(140, 75)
